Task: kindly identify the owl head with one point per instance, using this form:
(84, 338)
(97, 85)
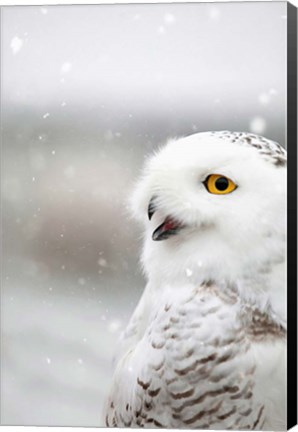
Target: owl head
(213, 207)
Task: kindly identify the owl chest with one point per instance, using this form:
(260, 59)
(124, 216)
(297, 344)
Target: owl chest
(197, 360)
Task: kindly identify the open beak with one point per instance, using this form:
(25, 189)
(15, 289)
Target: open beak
(168, 228)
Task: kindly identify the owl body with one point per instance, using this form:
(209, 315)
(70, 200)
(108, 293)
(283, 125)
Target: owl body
(206, 345)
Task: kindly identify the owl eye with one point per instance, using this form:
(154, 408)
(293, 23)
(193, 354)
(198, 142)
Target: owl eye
(219, 184)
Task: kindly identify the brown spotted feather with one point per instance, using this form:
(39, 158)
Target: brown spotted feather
(205, 380)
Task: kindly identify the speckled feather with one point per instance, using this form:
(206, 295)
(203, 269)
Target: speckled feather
(194, 377)
(268, 149)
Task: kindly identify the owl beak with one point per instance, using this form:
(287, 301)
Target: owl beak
(169, 226)
(167, 229)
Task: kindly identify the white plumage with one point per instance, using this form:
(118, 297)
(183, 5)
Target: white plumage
(206, 345)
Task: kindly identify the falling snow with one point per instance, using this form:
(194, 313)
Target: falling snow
(102, 262)
(214, 13)
(264, 98)
(114, 326)
(66, 67)
(169, 18)
(188, 272)
(161, 30)
(16, 44)
(257, 125)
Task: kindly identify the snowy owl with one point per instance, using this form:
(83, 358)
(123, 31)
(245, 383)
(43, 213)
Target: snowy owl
(206, 345)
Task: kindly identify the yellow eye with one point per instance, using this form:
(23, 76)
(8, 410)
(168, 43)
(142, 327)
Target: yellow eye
(219, 184)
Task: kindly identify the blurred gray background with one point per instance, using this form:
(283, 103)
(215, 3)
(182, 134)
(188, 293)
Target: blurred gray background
(87, 93)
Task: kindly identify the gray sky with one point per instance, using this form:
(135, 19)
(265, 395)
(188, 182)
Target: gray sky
(152, 55)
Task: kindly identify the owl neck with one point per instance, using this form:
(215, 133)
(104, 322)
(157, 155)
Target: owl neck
(259, 278)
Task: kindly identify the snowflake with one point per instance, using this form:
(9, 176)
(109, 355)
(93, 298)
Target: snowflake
(169, 18)
(214, 13)
(257, 125)
(66, 67)
(16, 44)
(264, 99)
(188, 272)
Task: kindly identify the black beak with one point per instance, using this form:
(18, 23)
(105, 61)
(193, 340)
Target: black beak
(167, 229)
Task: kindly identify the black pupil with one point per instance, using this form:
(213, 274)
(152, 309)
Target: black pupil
(222, 183)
